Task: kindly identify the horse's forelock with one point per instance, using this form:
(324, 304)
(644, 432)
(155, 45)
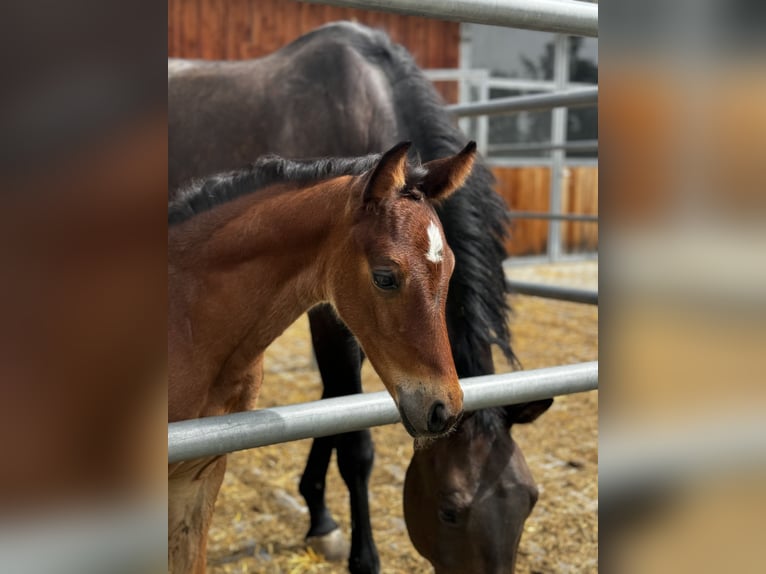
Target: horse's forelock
(416, 173)
(485, 422)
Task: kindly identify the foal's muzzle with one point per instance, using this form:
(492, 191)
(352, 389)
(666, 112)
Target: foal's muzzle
(425, 416)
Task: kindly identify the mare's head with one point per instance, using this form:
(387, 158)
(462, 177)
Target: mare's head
(467, 495)
(391, 286)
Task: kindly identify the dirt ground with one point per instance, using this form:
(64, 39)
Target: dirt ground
(260, 519)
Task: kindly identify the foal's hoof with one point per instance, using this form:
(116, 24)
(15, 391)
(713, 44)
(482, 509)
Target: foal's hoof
(332, 546)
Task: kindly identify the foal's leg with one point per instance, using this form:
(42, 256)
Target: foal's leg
(192, 489)
(339, 360)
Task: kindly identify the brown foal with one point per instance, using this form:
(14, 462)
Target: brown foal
(249, 251)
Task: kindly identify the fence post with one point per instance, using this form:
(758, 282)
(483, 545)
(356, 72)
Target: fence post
(464, 83)
(482, 126)
(558, 138)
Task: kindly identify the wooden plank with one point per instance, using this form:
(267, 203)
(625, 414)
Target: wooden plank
(192, 28)
(569, 233)
(290, 25)
(212, 37)
(525, 189)
(418, 31)
(307, 17)
(391, 26)
(376, 20)
(433, 37)
(581, 196)
(174, 27)
(236, 28)
(265, 40)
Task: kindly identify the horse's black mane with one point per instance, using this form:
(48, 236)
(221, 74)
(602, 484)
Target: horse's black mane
(204, 194)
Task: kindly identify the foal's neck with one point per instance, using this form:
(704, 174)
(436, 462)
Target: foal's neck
(249, 268)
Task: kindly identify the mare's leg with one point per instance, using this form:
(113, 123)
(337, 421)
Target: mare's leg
(324, 534)
(192, 489)
(339, 360)
(355, 458)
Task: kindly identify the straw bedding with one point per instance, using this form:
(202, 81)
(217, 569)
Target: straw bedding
(261, 519)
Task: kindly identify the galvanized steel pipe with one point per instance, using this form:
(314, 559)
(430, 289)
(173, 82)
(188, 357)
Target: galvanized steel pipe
(218, 435)
(565, 16)
(571, 146)
(554, 292)
(557, 216)
(650, 458)
(569, 98)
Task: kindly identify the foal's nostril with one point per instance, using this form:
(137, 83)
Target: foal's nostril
(437, 418)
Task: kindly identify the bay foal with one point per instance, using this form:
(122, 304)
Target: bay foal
(250, 251)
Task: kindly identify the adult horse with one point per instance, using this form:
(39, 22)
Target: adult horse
(249, 251)
(345, 89)
(467, 496)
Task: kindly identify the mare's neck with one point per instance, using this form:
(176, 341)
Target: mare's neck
(246, 270)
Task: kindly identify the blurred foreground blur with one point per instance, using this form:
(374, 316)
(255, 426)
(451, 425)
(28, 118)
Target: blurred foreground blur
(682, 452)
(83, 166)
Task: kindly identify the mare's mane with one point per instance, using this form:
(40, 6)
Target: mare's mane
(204, 194)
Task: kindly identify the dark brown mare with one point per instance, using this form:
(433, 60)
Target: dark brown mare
(347, 90)
(478, 484)
(250, 251)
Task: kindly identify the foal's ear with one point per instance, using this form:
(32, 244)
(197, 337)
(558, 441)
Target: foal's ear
(390, 175)
(447, 175)
(526, 412)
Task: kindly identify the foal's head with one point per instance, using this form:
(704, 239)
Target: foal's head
(466, 496)
(391, 287)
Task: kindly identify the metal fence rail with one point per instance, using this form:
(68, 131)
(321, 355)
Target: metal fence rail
(546, 101)
(668, 456)
(565, 16)
(570, 146)
(557, 216)
(572, 294)
(219, 435)
(478, 76)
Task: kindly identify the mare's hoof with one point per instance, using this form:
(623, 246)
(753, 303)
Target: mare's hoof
(333, 546)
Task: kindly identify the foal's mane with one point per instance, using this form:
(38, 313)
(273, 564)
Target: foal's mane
(204, 194)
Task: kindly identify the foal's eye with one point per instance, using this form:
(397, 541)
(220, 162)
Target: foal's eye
(385, 279)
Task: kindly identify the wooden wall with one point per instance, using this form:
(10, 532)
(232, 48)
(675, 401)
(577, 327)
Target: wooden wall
(528, 189)
(241, 29)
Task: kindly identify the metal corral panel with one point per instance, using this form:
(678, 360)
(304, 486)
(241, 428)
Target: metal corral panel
(528, 189)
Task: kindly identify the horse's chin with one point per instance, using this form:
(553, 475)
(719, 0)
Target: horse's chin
(408, 425)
